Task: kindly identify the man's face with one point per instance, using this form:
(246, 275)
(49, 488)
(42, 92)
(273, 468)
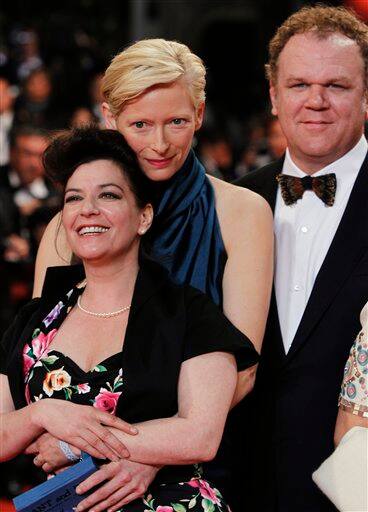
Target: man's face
(26, 157)
(6, 98)
(320, 98)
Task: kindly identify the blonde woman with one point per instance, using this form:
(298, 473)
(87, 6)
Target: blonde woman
(210, 234)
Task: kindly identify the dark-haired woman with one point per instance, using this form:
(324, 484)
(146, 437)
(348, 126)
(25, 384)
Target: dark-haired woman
(126, 341)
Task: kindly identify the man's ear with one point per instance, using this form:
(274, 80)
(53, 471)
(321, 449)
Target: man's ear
(273, 96)
(110, 121)
(199, 116)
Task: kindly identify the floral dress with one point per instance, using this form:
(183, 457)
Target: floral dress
(354, 390)
(49, 373)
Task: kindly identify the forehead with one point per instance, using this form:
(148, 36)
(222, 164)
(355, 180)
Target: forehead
(35, 142)
(160, 100)
(307, 55)
(97, 172)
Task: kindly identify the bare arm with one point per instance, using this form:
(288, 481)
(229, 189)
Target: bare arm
(206, 387)
(53, 251)
(83, 426)
(10, 419)
(247, 229)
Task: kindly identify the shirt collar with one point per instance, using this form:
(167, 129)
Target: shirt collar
(347, 167)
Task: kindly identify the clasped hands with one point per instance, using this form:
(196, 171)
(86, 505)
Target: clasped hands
(86, 429)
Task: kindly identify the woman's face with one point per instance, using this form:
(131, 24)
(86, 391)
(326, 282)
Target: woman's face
(100, 214)
(159, 126)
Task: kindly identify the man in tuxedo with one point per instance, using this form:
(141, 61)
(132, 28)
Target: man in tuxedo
(319, 193)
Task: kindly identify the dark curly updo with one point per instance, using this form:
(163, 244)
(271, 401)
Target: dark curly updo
(78, 146)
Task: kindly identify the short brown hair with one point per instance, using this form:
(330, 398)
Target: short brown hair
(323, 21)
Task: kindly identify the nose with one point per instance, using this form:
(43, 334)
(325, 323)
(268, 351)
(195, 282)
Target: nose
(89, 207)
(159, 142)
(317, 97)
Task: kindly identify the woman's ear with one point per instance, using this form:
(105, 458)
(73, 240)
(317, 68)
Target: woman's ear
(110, 121)
(199, 116)
(146, 219)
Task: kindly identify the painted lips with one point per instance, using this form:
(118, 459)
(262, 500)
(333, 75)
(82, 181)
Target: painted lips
(159, 164)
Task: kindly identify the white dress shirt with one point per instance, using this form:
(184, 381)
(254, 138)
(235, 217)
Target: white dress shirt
(304, 232)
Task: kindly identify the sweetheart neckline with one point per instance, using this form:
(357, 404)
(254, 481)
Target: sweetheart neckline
(79, 367)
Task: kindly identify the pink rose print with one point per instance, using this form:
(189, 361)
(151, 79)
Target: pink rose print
(41, 343)
(164, 509)
(83, 388)
(205, 490)
(106, 400)
(28, 362)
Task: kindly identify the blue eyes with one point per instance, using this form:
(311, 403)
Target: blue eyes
(329, 86)
(178, 121)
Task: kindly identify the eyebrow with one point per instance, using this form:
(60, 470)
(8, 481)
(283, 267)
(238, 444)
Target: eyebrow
(339, 78)
(111, 185)
(100, 186)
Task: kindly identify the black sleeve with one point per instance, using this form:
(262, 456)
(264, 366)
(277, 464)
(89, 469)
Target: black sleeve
(11, 336)
(208, 330)
(59, 280)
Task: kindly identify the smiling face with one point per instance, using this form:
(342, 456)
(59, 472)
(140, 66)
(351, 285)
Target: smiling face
(159, 126)
(320, 98)
(100, 214)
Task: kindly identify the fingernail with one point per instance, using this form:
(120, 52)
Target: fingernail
(134, 430)
(78, 491)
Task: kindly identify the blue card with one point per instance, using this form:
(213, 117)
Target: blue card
(58, 493)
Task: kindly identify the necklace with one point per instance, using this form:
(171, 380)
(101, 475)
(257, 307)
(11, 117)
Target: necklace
(101, 315)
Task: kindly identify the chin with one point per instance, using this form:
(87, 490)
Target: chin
(160, 174)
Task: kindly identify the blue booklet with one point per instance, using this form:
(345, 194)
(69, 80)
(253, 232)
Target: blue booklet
(58, 493)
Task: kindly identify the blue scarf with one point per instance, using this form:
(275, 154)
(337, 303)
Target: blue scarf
(185, 236)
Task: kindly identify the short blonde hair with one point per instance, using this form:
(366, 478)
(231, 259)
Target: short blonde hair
(322, 21)
(152, 62)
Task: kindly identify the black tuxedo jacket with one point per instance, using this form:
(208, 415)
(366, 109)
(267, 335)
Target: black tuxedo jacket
(291, 414)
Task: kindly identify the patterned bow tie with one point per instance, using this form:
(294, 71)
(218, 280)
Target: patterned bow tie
(292, 187)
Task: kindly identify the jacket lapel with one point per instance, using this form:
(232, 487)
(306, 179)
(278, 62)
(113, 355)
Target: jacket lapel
(267, 184)
(347, 249)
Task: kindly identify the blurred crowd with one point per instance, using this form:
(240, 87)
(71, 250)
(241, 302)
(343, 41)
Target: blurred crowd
(33, 105)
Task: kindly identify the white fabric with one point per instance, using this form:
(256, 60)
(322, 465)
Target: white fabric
(35, 190)
(343, 477)
(6, 123)
(304, 232)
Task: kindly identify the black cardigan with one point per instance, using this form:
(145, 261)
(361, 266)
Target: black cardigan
(167, 325)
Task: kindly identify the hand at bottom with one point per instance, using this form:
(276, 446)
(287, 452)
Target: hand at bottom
(48, 454)
(125, 482)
